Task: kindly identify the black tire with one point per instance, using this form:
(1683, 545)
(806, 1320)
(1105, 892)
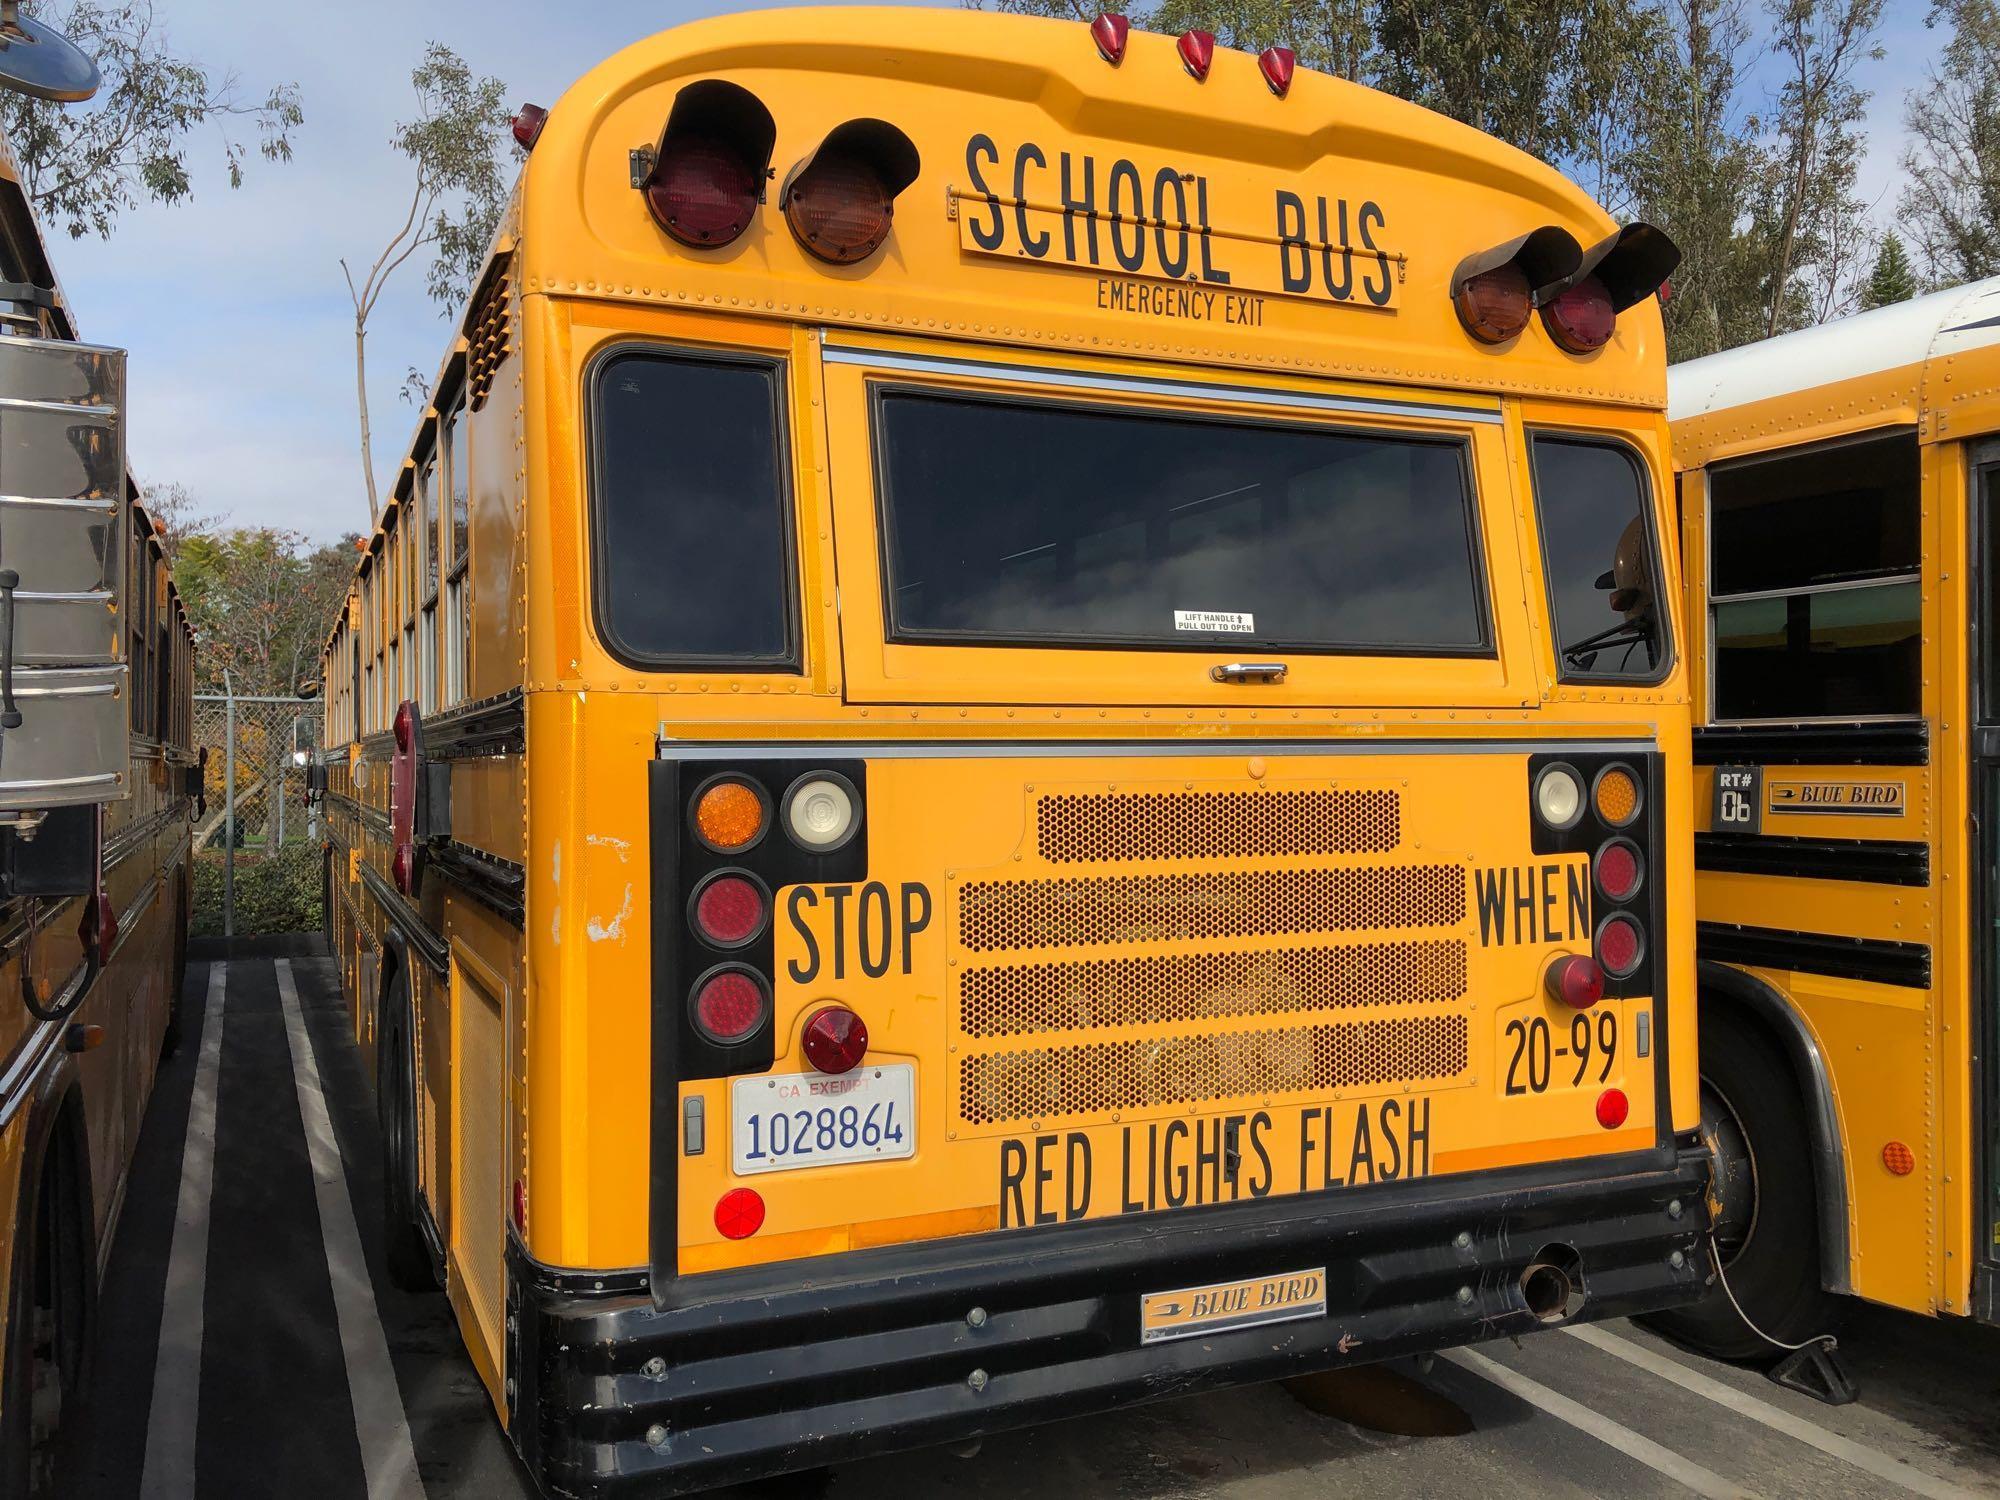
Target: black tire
(404, 1248)
(1768, 1231)
(47, 1340)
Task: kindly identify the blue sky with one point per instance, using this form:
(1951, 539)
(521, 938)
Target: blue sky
(242, 381)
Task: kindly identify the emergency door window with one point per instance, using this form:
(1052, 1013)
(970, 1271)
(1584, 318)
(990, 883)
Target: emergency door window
(1602, 566)
(1813, 583)
(1023, 522)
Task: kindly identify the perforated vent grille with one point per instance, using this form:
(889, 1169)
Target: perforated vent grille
(491, 336)
(1052, 1082)
(1018, 998)
(1159, 908)
(1074, 827)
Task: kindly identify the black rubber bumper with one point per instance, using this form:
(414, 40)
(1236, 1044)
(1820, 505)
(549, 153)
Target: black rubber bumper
(744, 1374)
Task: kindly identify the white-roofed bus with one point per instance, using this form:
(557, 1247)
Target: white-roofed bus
(1840, 498)
(1017, 741)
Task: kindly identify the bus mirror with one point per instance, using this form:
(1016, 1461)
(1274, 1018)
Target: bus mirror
(704, 181)
(1495, 291)
(840, 200)
(1632, 264)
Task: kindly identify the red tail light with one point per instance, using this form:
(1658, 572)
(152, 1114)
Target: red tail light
(730, 1005)
(1277, 65)
(1620, 946)
(1618, 870)
(730, 909)
(1197, 50)
(528, 125)
(404, 725)
(836, 1040)
(840, 202)
(1109, 31)
(1580, 318)
(1613, 1108)
(739, 1213)
(1495, 305)
(1575, 980)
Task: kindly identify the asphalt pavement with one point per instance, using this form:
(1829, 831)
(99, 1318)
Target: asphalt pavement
(250, 1344)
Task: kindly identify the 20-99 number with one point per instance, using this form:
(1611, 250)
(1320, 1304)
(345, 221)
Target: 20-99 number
(1533, 1061)
(807, 1132)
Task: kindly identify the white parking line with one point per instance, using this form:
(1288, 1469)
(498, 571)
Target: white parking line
(1683, 1471)
(387, 1456)
(176, 1399)
(1881, 1465)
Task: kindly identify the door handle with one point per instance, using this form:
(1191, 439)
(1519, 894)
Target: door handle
(1249, 671)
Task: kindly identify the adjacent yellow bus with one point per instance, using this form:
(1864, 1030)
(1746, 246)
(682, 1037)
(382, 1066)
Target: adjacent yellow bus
(1840, 494)
(1017, 741)
(97, 786)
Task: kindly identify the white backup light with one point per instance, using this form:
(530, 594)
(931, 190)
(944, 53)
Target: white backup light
(820, 813)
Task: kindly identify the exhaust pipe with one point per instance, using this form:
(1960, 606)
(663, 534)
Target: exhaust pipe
(1552, 1284)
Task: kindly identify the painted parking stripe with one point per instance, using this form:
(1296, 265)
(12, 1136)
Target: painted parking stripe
(387, 1456)
(1683, 1471)
(1881, 1465)
(168, 1473)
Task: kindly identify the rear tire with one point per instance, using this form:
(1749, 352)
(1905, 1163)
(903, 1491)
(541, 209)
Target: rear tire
(407, 1253)
(47, 1334)
(1768, 1231)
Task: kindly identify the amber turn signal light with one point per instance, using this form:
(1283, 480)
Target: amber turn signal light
(730, 815)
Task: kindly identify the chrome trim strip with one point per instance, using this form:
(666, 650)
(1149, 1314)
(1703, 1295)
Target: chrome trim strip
(669, 748)
(842, 354)
(55, 783)
(51, 502)
(64, 596)
(81, 690)
(72, 408)
(28, 1060)
(1845, 586)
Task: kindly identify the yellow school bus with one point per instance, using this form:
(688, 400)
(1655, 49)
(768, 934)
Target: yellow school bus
(97, 785)
(1017, 741)
(1840, 490)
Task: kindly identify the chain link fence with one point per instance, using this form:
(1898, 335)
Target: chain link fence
(256, 847)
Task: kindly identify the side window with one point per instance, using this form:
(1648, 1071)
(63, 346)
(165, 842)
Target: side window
(458, 481)
(1813, 583)
(691, 512)
(1601, 560)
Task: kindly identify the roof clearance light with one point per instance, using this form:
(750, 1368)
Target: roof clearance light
(1494, 290)
(707, 176)
(528, 125)
(840, 201)
(1110, 31)
(1197, 50)
(1277, 65)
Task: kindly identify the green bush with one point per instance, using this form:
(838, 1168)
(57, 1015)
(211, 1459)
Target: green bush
(272, 895)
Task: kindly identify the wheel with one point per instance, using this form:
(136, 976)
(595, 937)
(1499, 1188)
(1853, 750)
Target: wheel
(404, 1248)
(1767, 1227)
(41, 1368)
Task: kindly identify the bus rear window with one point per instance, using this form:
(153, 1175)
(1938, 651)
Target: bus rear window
(691, 512)
(1018, 522)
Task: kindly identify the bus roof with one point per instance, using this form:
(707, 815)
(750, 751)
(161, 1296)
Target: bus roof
(1006, 108)
(1877, 358)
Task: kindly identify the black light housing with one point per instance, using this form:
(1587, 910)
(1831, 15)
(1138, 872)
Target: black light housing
(841, 200)
(706, 177)
(1495, 291)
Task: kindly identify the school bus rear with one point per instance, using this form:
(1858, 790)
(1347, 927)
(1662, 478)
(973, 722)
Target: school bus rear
(1086, 765)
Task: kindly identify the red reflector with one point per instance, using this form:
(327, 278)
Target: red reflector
(739, 1213)
(1620, 946)
(1197, 50)
(528, 125)
(702, 192)
(1576, 981)
(1899, 1159)
(403, 867)
(1612, 1108)
(1618, 870)
(404, 725)
(1581, 319)
(839, 208)
(729, 1005)
(521, 1207)
(729, 910)
(1277, 64)
(836, 1040)
(1109, 32)
(1494, 305)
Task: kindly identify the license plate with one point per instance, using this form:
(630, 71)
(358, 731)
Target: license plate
(793, 1120)
(1232, 1304)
